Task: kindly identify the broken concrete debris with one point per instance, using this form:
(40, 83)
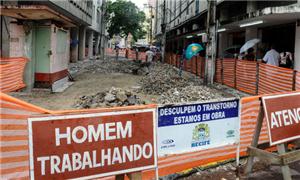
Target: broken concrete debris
(108, 66)
(189, 94)
(158, 79)
(163, 77)
(111, 98)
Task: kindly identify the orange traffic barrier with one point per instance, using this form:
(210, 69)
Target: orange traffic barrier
(109, 52)
(11, 73)
(218, 71)
(131, 55)
(142, 56)
(297, 85)
(274, 79)
(14, 138)
(14, 151)
(122, 53)
(228, 72)
(246, 76)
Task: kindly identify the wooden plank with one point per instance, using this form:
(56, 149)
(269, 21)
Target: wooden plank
(255, 139)
(285, 169)
(290, 157)
(262, 154)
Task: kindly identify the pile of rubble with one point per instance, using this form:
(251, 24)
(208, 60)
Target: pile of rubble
(111, 98)
(163, 77)
(190, 93)
(107, 66)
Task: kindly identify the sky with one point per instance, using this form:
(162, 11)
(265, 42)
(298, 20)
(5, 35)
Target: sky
(140, 3)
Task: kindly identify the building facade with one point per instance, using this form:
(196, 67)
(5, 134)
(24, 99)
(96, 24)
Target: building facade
(51, 34)
(273, 22)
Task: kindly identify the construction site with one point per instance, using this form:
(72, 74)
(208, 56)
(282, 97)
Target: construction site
(112, 83)
(150, 89)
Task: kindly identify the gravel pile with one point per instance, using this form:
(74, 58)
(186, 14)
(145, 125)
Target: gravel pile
(190, 93)
(112, 98)
(163, 77)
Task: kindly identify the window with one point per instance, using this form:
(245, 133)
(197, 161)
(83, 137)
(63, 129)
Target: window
(197, 6)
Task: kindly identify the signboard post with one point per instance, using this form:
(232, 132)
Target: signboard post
(282, 113)
(86, 146)
(193, 127)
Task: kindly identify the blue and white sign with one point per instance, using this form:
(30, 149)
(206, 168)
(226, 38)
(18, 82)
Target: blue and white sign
(192, 127)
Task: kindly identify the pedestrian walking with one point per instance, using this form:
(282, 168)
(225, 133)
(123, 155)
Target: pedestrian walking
(117, 48)
(272, 57)
(150, 55)
(286, 60)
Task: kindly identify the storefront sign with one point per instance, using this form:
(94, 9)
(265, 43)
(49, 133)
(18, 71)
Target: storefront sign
(283, 117)
(191, 127)
(87, 146)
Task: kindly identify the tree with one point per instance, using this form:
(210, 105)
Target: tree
(124, 17)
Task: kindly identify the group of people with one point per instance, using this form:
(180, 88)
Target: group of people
(272, 57)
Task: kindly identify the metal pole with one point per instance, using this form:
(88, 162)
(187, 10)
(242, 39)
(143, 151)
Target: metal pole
(163, 28)
(211, 44)
(151, 14)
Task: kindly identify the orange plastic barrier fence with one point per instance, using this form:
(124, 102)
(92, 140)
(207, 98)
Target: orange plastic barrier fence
(297, 85)
(228, 72)
(14, 139)
(131, 54)
(142, 56)
(188, 65)
(122, 52)
(14, 151)
(201, 66)
(178, 61)
(218, 71)
(246, 76)
(11, 73)
(109, 52)
(194, 65)
(274, 79)
(256, 78)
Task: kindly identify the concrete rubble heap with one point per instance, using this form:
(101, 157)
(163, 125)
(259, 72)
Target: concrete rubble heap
(163, 77)
(111, 98)
(107, 66)
(189, 93)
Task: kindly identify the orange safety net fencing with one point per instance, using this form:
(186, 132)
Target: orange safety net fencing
(11, 73)
(247, 76)
(255, 78)
(195, 66)
(14, 151)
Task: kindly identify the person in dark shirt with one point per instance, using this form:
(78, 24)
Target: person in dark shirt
(250, 56)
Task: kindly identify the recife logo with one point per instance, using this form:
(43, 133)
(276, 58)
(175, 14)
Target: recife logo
(201, 135)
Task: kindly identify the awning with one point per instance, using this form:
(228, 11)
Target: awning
(36, 12)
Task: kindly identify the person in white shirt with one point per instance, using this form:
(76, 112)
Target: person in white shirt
(150, 55)
(272, 57)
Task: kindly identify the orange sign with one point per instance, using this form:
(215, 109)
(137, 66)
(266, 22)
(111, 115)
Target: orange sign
(283, 117)
(89, 146)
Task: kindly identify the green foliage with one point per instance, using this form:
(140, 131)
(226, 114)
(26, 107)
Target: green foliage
(124, 17)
